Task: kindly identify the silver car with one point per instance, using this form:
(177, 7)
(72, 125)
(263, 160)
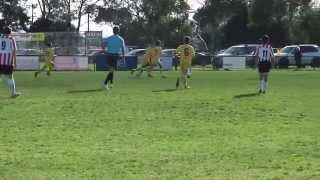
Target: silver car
(310, 55)
(243, 50)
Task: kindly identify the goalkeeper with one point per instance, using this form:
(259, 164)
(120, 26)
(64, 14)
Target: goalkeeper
(48, 58)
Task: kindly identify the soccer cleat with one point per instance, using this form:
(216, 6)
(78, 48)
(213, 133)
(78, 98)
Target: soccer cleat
(150, 75)
(36, 74)
(133, 71)
(15, 95)
(187, 87)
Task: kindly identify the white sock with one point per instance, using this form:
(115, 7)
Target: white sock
(261, 85)
(12, 86)
(265, 85)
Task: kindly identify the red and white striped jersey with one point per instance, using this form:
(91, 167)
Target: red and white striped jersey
(7, 50)
(265, 53)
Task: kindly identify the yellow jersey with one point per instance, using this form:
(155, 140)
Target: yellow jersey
(185, 53)
(48, 55)
(152, 55)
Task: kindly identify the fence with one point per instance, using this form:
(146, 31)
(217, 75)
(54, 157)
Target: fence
(71, 49)
(76, 50)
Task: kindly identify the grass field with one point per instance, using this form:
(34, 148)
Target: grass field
(66, 127)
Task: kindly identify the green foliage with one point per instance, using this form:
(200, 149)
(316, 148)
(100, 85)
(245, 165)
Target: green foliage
(226, 23)
(13, 14)
(47, 25)
(143, 22)
(65, 127)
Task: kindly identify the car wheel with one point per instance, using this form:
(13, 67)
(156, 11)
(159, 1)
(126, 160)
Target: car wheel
(283, 63)
(315, 62)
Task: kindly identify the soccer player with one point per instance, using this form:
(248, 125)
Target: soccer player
(265, 58)
(151, 59)
(48, 58)
(185, 53)
(8, 60)
(114, 46)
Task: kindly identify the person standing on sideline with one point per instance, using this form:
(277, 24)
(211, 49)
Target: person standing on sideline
(264, 58)
(185, 53)
(8, 59)
(297, 56)
(114, 46)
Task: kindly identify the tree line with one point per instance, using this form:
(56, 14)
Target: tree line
(221, 23)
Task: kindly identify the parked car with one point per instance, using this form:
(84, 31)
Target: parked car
(137, 52)
(243, 50)
(310, 56)
(28, 52)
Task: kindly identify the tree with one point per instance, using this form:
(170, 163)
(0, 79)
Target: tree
(144, 21)
(13, 14)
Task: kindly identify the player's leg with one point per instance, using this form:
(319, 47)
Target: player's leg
(8, 78)
(42, 69)
(261, 82)
(265, 84)
(49, 69)
(185, 78)
(141, 69)
(189, 73)
(149, 70)
(112, 60)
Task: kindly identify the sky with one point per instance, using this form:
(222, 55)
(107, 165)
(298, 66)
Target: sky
(106, 29)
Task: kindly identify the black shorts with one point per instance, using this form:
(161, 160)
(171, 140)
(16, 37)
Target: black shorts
(264, 66)
(112, 60)
(6, 70)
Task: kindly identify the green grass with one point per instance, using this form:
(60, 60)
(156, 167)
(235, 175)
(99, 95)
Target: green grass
(65, 127)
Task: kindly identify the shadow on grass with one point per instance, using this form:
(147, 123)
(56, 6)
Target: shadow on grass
(240, 96)
(84, 91)
(164, 90)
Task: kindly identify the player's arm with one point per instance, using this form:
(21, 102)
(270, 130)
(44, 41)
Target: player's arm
(256, 56)
(193, 52)
(179, 52)
(123, 49)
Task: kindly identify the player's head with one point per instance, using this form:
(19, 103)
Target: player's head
(116, 30)
(187, 40)
(265, 39)
(158, 43)
(6, 30)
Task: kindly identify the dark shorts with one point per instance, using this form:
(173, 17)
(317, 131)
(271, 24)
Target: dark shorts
(264, 67)
(6, 70)
(112, 60)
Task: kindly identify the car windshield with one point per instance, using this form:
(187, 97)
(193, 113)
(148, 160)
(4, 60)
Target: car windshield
(246, 50)
(287, 50)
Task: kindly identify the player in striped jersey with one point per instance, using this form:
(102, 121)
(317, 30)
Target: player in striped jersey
(185, 53)
(265, 58)
(8, 60)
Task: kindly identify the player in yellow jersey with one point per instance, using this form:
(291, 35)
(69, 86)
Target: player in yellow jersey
(151, 59)
(185, 54)
(48, 58)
